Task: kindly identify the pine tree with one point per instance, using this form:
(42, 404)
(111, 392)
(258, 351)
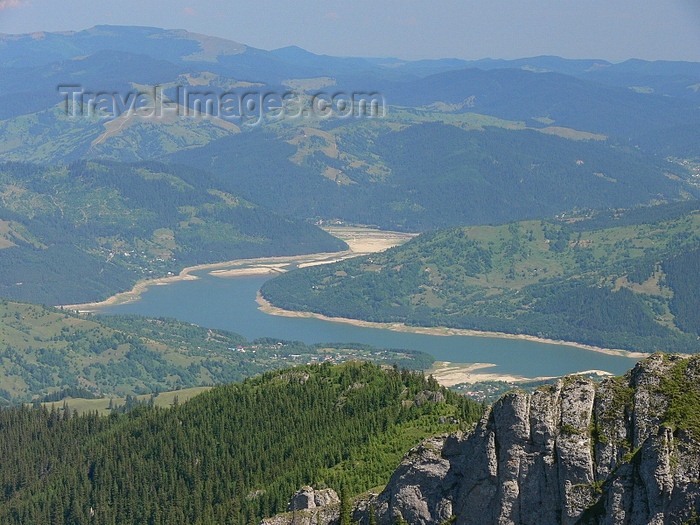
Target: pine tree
(400, 520)
(345, 508)
(372, 517)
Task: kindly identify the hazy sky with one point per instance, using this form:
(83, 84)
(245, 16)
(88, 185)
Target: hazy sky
(608, 29)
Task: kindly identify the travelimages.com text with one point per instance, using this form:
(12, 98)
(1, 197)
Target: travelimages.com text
(245, 107)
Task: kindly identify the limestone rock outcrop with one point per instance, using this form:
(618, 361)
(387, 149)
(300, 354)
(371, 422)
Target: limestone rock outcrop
(573, 452)
(308, 498)
(622, 452)
(309, 506)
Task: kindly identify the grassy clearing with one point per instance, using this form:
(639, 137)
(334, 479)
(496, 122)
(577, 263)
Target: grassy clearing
(102, 406)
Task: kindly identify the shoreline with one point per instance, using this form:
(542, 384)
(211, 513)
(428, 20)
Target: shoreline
(248, 268)
(266, 307)
(274, 265)
(449, 374)
(361, 241)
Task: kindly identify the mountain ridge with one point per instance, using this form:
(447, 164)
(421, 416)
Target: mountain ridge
(230, 455)
(601, 284)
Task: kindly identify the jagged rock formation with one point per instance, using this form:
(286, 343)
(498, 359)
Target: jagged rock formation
(626, 451)
(308, 498)
(429, 396)
(309, 507)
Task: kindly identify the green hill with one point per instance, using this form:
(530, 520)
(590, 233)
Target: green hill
(46, 354)
(413, 169)
(50, 136)
(620, 280)
(81, 232)
(479, 142)
(231, 455)
(420, 170)
(461, 142)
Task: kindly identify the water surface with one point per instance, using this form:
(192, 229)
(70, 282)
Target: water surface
(230, 304)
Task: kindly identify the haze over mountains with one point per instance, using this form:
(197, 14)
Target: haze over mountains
(457, 143)
(554, 198)
(113, 57)
(629, 117)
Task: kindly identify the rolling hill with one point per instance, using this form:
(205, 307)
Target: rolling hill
(417, 170)
(461, 142)
(81, 232)
(619, 280)
(47, 354)
(559, 99)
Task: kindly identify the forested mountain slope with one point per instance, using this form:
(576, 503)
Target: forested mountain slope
(411, 169)
(623, 451)
(229, 456)
(457, 142)
(84, 231)
(620, 280)
(419, 170)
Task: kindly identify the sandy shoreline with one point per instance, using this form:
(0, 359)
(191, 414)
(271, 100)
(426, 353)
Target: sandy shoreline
(247, 268)
(360, 241)
(268, 308)
(450, 374)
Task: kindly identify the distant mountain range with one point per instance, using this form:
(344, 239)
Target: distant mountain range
(112, 57)
(460, 142)
(196, 51)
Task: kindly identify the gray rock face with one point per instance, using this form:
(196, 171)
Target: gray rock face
(309, 507)
(429, 396)
(308, 498)
(570, 453)
(416, 488)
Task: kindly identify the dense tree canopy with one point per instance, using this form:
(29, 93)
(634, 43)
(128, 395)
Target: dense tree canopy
(231, 455)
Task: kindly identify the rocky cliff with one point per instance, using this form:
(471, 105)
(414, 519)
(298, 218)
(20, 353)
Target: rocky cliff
(309, 507)
(625, 451)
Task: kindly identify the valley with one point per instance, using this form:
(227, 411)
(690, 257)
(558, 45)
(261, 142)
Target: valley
(565, 279)
(230, 303)
(383, 288)
(360, 241)
(90, 229)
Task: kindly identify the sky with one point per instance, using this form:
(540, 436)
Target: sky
(613, 30)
